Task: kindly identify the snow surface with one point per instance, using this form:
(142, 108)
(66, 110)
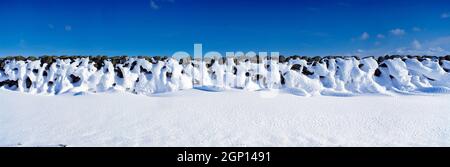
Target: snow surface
(233, 117)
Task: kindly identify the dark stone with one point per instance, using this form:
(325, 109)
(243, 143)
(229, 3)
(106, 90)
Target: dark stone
(446, 70)
(133, 65)
(234, 70)
(118, 60)
(247, 74)
(296, 67)
(2, 64)
(361, 65)
(118, 72)
(17, 58)
(281, 59)
(182, 72)
(327, 63)
(50, 83)
(258, 59)
(28, 82)
(431, 57)
(373, 57)
(155, 59)
(74, 79)
(411, 57)
(224, 59)
(147, 58)
(145, 70)
(35, 70)
(44, 73)
(168, 74)
(383, 65)
(395, 56)
(447, 57)
(70, 58)
(164, 58)
(259, 76)
(380, 59)
(429, 78)
(114, 84)
(126, 65)
(377, 72)
(10, 83)
(390, 76)
(208, 65)
(98, 60)
(283, 81)
(79, 64)
(315, 59)
(294, 57)
(421, 59)
(305, 71)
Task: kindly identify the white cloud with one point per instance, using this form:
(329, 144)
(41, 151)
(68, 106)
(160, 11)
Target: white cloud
(416, 44)
(153, 5)
(440, 42)
(398, 32)
(416, 29)
(380, 36)
(434, 47)
(445, 15)
(434, 51)
(68, 28)
(357, 52)
(437, 49)
(365, 36)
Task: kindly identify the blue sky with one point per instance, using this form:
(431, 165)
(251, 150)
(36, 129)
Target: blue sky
(162, 27)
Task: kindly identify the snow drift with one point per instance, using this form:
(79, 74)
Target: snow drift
(300, 76)
(196, 118)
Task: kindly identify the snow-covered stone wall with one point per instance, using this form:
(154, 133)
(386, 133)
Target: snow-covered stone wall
(298, 75)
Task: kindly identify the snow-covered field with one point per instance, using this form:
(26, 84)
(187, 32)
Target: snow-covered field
(393, 101)
(231, 118)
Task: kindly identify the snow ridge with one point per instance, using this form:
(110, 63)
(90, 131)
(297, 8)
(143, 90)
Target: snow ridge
(324, 76)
